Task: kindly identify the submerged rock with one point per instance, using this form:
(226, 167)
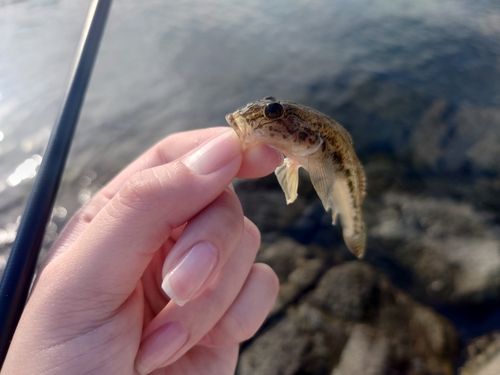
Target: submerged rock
(483, 356)
(446, 246)
(298, 268)
(353, 320)
(451, 139)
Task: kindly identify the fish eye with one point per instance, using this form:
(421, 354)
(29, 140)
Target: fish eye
(274, 110)
(270, 98)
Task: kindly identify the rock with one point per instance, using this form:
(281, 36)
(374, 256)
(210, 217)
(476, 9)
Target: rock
(483, 356)
(365, 353)
(352, 320)
(278, 351)
(453, 140)
(445, 247)
(428, 136)
(350, 292)
(298, 267)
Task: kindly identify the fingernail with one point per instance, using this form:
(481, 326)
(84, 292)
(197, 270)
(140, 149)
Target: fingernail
(160, 346)
(214, 154)
(188, 276)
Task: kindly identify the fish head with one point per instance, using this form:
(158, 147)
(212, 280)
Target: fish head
(276, 123)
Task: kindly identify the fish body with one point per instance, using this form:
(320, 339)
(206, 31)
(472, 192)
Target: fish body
(315, 142)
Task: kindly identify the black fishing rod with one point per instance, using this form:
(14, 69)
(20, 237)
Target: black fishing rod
(20, 268)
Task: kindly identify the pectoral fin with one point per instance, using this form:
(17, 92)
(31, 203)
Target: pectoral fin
(288, 177)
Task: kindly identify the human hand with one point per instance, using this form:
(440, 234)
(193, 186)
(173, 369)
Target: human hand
(98, 306)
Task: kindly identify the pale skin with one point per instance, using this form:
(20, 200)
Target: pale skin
(98, 306)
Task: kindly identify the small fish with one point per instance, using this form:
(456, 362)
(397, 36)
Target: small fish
(311, 140)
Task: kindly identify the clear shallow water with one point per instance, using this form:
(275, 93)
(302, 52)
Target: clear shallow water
(377, 66)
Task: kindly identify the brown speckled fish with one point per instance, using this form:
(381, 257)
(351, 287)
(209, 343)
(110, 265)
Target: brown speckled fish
(311, 140)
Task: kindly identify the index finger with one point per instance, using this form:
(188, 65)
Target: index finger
(263, 161)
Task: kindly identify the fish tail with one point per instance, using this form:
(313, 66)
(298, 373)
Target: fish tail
(356, 242)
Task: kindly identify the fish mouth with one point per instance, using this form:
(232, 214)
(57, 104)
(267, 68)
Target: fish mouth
(237, 123)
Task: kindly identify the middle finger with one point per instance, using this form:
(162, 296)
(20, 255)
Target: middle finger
(205, 244)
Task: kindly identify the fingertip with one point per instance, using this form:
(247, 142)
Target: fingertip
(214, 154)
(268, 277)
(252, 230)
(167, 288)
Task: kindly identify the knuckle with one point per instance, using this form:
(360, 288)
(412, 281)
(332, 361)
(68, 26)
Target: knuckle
(252, 236)
(236, 329)
(229, 208)
(222, 219)
(139, 190)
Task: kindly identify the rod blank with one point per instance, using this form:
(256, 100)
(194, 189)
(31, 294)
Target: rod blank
(20, 268)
